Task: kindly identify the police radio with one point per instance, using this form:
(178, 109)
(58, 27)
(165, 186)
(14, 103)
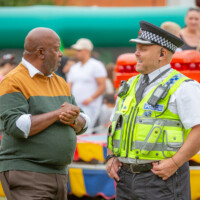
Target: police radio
(159, 93)
(123, 89)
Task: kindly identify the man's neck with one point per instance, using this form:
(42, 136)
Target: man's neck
(85, 60)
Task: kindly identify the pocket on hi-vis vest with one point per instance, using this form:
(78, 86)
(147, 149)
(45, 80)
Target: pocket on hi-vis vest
(173, 140)
(115, 138)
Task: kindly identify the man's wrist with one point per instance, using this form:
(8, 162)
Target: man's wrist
(175, 162)
(108, 157)
(74, 123)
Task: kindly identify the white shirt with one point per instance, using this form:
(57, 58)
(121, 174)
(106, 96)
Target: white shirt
(83, 79)
(185, 101)
(24, 121)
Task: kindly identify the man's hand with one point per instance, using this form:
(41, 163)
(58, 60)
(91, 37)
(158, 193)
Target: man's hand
(87, 101)
(67, 118)
(69, 113)
(165, 168)
(112, 166)
(69, 107)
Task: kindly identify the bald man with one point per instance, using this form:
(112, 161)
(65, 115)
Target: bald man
(40, 121)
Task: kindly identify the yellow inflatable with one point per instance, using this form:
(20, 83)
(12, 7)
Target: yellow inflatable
(196, 158)
(1, 191)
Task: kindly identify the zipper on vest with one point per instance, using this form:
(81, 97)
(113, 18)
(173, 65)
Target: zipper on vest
(127, 128)
(129, 125)
(133, 127)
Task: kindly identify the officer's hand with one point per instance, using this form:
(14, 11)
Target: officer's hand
(112, 166)
(164, 169)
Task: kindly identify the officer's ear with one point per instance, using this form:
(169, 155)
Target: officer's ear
(163, 54)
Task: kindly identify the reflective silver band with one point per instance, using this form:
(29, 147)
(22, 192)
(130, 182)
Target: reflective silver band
(165, 122)
(158, 146)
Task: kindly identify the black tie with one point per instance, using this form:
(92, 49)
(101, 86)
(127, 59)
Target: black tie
(141, 88)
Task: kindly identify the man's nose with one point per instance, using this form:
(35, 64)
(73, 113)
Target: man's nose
(137, 52)
(61, 53)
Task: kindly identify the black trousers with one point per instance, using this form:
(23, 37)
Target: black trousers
(148, 186)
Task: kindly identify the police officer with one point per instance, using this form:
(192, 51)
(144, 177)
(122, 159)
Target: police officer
(156, 124)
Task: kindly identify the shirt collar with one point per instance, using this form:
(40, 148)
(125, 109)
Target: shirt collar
(155, 73)
(32, 70)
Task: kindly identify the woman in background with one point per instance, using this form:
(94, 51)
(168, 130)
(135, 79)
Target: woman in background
(191, 34)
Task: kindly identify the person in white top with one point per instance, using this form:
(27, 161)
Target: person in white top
(87, 80)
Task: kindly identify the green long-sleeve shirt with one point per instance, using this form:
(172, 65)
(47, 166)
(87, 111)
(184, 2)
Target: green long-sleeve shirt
(49, 151)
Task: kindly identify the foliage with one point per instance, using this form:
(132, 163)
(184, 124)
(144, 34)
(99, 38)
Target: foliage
(25, 2)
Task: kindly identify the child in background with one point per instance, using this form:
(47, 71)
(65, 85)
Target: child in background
(7, 63)
(173, 28)
(105, 113)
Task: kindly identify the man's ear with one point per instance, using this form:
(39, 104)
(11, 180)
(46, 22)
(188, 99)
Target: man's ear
(41, 53)
(163, 54)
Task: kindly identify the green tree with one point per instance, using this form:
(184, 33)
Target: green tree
(25, 2)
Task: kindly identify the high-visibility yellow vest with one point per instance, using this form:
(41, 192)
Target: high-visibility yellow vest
(140, 131)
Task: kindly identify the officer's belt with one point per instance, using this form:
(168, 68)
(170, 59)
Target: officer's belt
(139, 168)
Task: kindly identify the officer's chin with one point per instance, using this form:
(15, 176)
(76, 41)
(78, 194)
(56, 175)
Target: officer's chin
(138, 67)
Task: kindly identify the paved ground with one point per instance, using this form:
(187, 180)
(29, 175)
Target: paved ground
(72, 197)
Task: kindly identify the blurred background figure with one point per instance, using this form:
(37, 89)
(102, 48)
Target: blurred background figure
(173, 28)
(71, 61)
(59, 71)
(7, 63)
(191, 34)
(110, 77)
(87, 80)
(105, 113)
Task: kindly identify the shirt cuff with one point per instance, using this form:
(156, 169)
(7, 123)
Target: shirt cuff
(86, 118)
(24, 124)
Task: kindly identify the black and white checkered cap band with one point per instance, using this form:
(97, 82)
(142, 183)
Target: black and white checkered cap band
(146, 35)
